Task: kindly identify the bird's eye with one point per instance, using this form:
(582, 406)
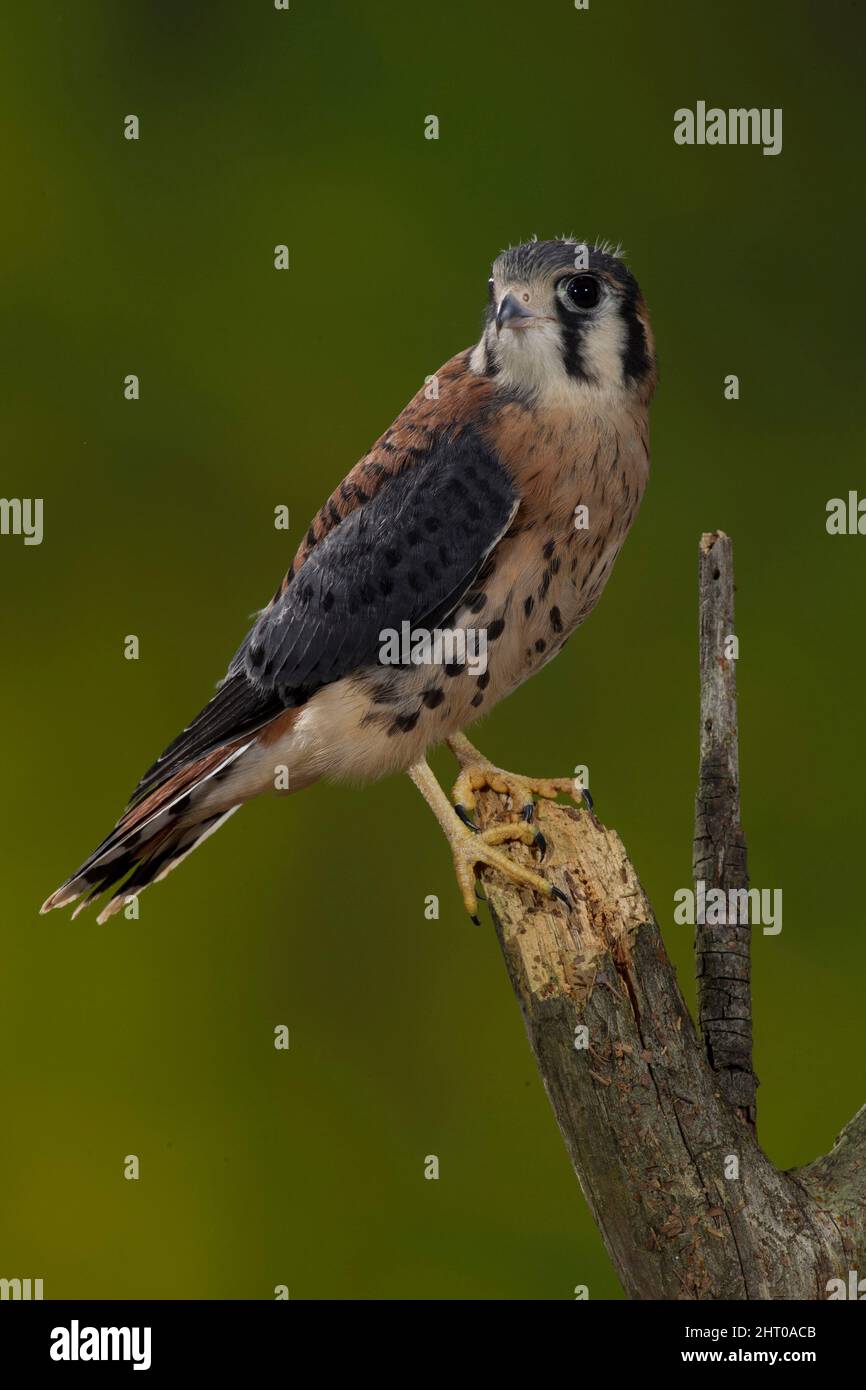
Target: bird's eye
(583, 291)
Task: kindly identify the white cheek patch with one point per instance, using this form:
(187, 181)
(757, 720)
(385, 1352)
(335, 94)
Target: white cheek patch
(531, 358)
(602, 345)
(478, 360)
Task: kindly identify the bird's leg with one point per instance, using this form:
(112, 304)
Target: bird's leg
(477, 772)
(472, 847)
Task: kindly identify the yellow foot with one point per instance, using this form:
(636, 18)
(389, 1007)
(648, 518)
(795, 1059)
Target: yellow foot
(472, 847)
(477, 772)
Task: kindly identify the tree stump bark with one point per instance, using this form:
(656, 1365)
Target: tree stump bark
(658, 1126)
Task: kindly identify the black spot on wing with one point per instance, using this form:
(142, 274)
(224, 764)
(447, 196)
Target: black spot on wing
(364, 576)
(329, 623)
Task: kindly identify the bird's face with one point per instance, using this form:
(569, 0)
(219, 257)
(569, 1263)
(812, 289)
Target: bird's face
(565, 319)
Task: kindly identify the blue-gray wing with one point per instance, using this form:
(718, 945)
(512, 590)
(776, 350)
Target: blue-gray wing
(409, 554)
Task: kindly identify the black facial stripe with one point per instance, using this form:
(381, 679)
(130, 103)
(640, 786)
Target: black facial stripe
(634, 353)
(571, 355)
(490, 365)
(572, 326)
(635, 357)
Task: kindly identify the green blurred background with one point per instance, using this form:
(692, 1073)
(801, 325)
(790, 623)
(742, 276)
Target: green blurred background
(258, 388)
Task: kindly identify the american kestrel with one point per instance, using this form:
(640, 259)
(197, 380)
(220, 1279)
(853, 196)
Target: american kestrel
(495, 504)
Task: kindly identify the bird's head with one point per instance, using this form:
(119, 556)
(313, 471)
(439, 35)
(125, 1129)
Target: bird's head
(566, 319)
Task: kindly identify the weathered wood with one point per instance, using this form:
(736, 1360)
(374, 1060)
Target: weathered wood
(837, 1184)
(651, 1138)
(657, 1125)
(722, 951)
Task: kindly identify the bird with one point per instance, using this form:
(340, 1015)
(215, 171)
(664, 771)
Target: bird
(495, 503)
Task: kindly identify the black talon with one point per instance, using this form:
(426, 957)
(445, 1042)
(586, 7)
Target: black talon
(466, 818)
(528, 811)
(482, 897)
(476, 921)
(555, 892)
(588, 799)
(540, 844)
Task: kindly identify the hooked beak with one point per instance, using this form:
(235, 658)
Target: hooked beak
(511, 313)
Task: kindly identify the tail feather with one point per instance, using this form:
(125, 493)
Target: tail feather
(165, 857)
(153, 836)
